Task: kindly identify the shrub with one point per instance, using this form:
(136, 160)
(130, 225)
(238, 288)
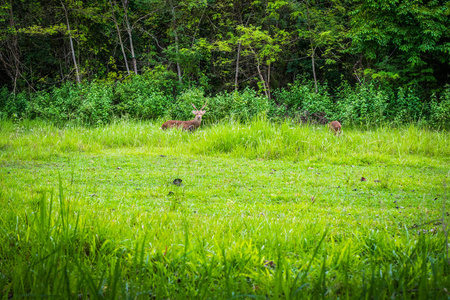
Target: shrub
(226, 105)
(243, 105)
(406, 107)
(440, 109)
(141, 98)
(363, 104)
(88, 104)
(300, 101)
(5, 100)
(16, 105)
(59, 105)
(148, 96)
(182, 109)
(96, 104)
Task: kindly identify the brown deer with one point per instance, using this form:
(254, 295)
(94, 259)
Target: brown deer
(335, 127)
(187, 125)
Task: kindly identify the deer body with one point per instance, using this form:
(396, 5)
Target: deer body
(185, 125)
(190, 125)
(335, 127)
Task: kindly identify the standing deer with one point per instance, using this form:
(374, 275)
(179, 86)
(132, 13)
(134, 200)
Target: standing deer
(335, 127)
(187, 125)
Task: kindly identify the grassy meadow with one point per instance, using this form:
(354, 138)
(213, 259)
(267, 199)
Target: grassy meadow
(264, 210)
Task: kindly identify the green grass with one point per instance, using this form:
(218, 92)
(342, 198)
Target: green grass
(264, 210)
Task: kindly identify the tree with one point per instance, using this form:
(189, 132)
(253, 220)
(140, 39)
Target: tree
(10, 52)
(264, 49)
(77, 74)
(322, 27)
(409, 38)
(119, 35)
(130, 35)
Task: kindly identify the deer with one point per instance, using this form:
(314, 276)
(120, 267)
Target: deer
(335, 127)
(190, 125)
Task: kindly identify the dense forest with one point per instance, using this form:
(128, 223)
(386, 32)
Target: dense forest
(356, 61)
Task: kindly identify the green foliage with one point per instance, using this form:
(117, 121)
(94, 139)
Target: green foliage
(6, 99)
(225, 45)
(406, 107)
(360, 104)
(96, 104)
(440, 109)
(190, 60)
(381, 76)
(260, 44)
(401, 37)
(244, 105)
(14, 105)
(61, 104)
(371, 104)
(145, 96)
(151, 97)
(141, 97)
(364, 104)
(182, 109)
(300, 101)
(319, 102)
(89, 104)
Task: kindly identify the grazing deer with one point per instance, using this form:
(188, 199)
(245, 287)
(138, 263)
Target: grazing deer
(187, 125)
(335, 127)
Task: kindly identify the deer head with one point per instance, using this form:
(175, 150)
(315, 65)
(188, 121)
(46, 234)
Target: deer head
(198, 113)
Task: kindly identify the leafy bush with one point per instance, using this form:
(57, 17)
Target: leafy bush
(141, 98)
(5, 100)
(440, 109)
(96, 104)
(226, 105)
(13, 106)
(319, 104)
(149, 97)
(88, 104)
(243, 105)
(292, 96)
(182, 109)
(59, 105)
(300, 101)
(406, 107)
(16, 105)
(363, 104)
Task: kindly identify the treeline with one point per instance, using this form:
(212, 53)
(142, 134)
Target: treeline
(73, 54)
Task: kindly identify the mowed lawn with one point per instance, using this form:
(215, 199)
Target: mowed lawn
(275, 211)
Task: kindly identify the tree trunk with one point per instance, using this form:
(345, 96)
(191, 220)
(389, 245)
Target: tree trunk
(133, 57)
(120, 37)
(258, 67)
(176, 40)
(10, 52)
(314, 70)
(236, 85)
(238, 58)
(78, 76)
(313, 50)
(268, 81)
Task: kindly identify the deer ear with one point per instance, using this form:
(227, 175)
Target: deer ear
(194, 112)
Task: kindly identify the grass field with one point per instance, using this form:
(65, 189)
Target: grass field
(263, 211)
